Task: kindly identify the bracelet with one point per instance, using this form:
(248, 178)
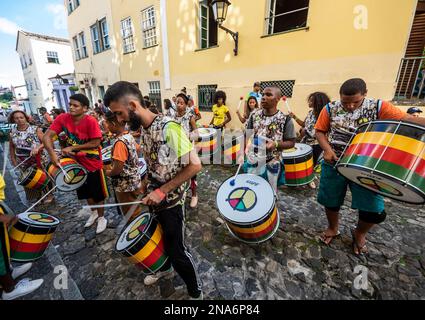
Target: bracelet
(161, 194)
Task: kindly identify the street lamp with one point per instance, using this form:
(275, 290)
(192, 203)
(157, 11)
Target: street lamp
(219, 8)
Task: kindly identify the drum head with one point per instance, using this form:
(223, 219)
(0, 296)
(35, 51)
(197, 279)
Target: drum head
(77, 176)
(133, 232)
(248, 201)
(38, 219)
(382, 184)
(25, 175)
(143, 167)
(299, 150)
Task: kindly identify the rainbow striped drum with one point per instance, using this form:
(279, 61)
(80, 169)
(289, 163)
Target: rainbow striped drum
(142, 242)
(31, 235)
(233, 147)
(106, 155)
(34, 178)
(387, 157)
(249, 208)
(206, 144)
(299, 166)
(76, 175)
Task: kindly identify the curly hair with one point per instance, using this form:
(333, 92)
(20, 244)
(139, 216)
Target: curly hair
(320, 100)
(12, 115)
(220, 95)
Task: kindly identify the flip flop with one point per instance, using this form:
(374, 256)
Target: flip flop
(361, 249)
(324, 238)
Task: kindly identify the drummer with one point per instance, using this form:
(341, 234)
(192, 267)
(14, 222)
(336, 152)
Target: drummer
(172, 161)
(187, 119)
(83, 140)
(278, 130)
(27, 149)
(11, 288)
(334, 129)
(124, 171)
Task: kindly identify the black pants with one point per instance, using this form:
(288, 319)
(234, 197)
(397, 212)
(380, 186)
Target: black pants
(317, 151)
(172, 224)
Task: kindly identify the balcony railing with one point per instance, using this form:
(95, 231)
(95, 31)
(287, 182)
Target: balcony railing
(411, 79)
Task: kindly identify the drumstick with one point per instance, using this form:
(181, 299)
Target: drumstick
(240, 103)
(41, 199)
(287, 104)
(21, 163)
(232, 182)
(64, 172)
(112, 205)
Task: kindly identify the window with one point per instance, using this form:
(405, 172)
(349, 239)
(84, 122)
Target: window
(285, 15)
(155, 93)
(127, 35)
(36, 84)
(22, 63)
(101, 91)
(149, 27)
(76, 49)
(29, 58)
(95, 38)
(72, 5)
(208, 27)
(286, 86)
(27, 85)
(30, 82)
(105, 34)
(52, 57)
(82, 39)
(100, 36)
(25, 61)
(206, 95)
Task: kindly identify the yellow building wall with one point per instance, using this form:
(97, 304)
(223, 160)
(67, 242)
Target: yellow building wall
(331, 51)
(143, 65)
(104, 66)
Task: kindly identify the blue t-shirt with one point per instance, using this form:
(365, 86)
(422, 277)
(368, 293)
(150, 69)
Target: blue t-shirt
(256, 95)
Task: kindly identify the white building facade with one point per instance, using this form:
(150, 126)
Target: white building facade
(43, 57)
(61, 89)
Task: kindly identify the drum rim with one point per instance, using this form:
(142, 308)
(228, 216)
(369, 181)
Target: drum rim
(23, 177)
(258, 242)
(56, 223)
(410, 124)
(300, 155)
(274, 204)
(406, 185)
(139, 236)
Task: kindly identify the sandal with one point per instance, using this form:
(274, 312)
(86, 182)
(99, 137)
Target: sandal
(362, 250)
(328, 239)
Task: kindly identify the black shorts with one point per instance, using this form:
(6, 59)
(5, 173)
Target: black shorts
(94, 188)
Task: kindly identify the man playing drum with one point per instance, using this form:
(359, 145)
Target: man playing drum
(270, 125)
(172, 161)
(83, 140)
(335, 127)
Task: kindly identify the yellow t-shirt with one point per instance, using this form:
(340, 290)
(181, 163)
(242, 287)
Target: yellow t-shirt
(219, 114)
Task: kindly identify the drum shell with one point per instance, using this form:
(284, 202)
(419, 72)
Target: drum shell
(36, 180)
(56, 173)
(299, 171)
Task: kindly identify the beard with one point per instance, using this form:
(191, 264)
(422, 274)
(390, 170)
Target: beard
(135, 121)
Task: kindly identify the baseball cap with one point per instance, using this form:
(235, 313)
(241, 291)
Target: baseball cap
(414, 110)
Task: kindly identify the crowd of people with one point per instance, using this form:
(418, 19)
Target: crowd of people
(133, 126)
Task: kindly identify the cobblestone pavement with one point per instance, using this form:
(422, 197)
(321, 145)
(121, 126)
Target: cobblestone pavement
(292, 265)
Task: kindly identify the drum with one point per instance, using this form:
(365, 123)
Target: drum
(299, 165)
(31, 235)
(34, 178)
(143, 168)
(75, 176)
(249, 208)
(207, 143)
(233, 147)
(387, 157)
(142, 242)
(106, 155)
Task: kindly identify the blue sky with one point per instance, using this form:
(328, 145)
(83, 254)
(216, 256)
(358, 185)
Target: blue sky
(40, 16)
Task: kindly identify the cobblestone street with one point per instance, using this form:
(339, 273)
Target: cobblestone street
(292, 265)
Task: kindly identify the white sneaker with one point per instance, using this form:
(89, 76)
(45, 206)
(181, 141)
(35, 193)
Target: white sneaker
(21, 270)
(23, 288)
(312, 185)
(153, 278)
(194, 202)
(92, 219)
(102, 223)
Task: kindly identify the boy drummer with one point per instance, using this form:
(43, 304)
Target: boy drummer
(334, 128)
(172, 161)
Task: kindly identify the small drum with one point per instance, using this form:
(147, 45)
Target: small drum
(31, 235)
(387, 157)
(75, 176)
(249, 208)
(207, 143)
(34, 178)
(142, 242)
(143, 168)
(233, 147)
(106, 155)
(299, 166)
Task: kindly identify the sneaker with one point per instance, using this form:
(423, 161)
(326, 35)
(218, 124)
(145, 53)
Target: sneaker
(312, 185)
(21, 270)
(153, 278)
(102, 223)
(92, 219)
(23, 288)
(201, 297)
(194, 202)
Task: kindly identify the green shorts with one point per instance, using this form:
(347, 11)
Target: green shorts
(333, 188)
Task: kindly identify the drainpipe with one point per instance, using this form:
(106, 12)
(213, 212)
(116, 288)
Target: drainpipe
(164, 37)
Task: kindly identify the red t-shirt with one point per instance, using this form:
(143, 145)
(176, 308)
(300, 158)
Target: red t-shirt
(86, 130)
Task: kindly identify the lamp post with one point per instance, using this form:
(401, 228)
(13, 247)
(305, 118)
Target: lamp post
(220, 8)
